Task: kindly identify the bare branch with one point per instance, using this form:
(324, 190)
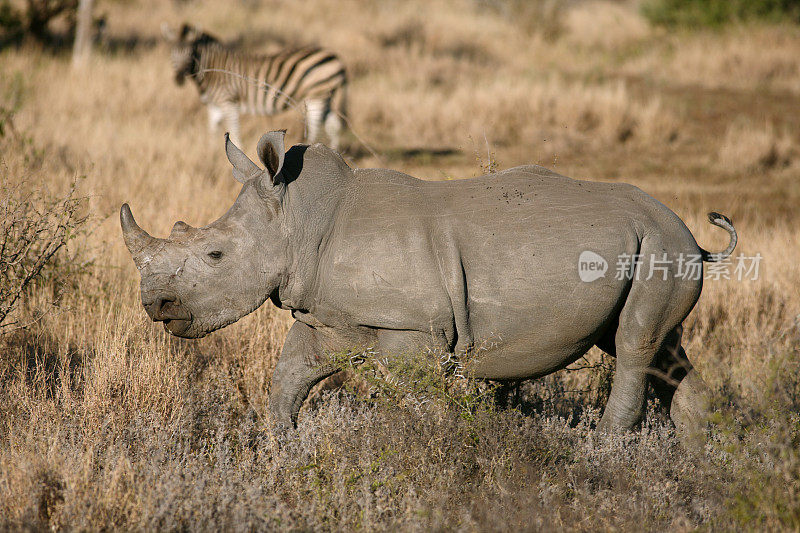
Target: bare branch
(35, 229)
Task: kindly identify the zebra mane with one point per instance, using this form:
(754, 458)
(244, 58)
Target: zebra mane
(206, 39)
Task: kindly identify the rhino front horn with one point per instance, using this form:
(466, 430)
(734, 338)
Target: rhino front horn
(138, 241)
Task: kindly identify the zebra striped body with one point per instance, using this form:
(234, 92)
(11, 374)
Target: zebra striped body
(232, 82)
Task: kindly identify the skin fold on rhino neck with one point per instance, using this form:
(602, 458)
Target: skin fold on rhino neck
(308, 210)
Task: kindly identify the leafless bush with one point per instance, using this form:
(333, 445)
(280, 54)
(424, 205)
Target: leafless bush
(33, 229)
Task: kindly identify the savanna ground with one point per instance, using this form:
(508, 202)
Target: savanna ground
(107, 422)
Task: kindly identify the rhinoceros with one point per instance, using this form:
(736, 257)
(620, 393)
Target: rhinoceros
(520, 263)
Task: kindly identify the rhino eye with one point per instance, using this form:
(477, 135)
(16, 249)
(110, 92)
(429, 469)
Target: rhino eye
(215, 255)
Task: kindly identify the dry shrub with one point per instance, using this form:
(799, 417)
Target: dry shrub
(33, 21)
(35, 228)
(750, 148)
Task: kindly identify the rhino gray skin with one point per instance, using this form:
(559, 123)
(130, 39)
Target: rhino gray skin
(373, 258)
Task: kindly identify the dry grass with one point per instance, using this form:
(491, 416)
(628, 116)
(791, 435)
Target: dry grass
(749, 58)
(603, 24)
(755, 148)
(107, 422)
(546, 115)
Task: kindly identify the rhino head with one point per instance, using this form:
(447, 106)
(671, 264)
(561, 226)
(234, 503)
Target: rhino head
(199, 280)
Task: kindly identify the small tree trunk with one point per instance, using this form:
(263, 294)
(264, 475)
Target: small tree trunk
(83, 40)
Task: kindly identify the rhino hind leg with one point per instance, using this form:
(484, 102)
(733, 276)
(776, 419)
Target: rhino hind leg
(653, 309)
(635, 352)
(681, 390)
(625, 407)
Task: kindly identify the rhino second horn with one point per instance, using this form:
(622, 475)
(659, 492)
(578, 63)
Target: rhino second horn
(139, 242)
(179, 228)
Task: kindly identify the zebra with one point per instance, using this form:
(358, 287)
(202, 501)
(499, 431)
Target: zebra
(232, 82)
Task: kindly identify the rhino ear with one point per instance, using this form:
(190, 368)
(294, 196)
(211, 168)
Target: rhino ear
(243, 168)
(271, 151)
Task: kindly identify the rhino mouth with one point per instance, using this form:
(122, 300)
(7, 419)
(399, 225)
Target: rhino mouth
(178, 326)
(169, 310)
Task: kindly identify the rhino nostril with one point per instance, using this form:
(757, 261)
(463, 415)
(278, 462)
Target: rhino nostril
(165, 308)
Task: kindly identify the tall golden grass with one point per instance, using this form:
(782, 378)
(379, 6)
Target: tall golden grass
(108, 422)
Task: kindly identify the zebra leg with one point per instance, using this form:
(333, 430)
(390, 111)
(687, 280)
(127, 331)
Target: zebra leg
(337, 113)
(215, 115)
(315, 112)
(333, 128)
(231, 114)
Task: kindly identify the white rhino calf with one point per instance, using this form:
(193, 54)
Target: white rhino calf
(376, 258)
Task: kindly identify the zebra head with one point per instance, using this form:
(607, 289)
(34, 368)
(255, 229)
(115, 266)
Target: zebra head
(186, 45)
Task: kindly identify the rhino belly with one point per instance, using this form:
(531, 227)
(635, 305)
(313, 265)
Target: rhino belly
(532, 313)
(526, 356)
(535, 340)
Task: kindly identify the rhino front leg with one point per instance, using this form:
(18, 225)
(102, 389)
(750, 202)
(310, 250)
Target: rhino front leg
(301, 366)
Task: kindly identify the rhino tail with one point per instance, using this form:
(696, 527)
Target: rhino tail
(725, 223)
